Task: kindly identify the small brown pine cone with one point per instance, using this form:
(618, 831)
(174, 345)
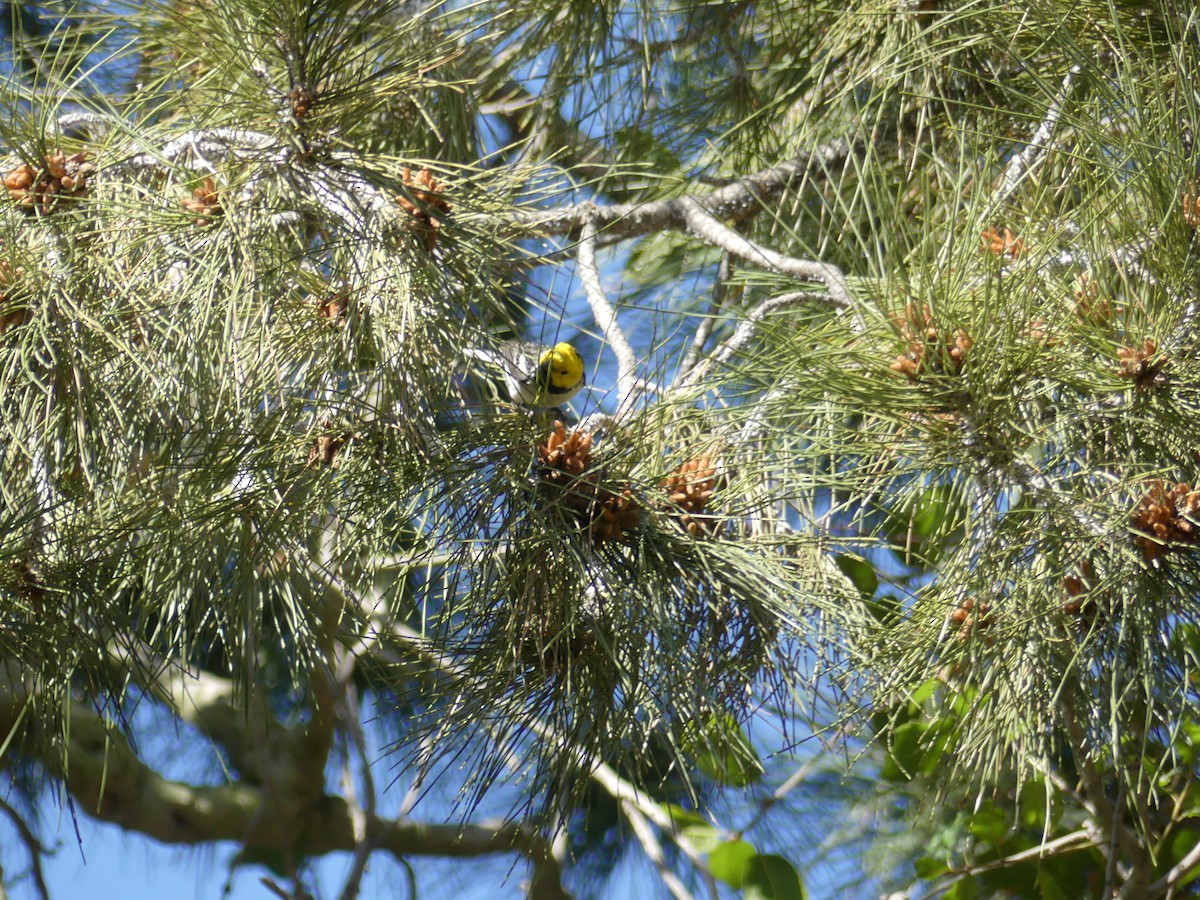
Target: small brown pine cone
(690, 488)
(565, 460)
(205, 204)
(1142, 365)
(62, 178)
(301, 100)
(326, 448)
(928, 349)
(615, 514)
(1164, 517)
(973, 618)
(1090, 306)
(1191, 206)
(423, 200)
(332, 308)
(1002, 243)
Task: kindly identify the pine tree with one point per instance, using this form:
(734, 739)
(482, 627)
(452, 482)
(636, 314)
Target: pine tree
(882, 492)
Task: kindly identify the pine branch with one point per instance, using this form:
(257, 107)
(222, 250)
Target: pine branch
(110, 783)
(745, 197)
(606, 319)
(32, 846)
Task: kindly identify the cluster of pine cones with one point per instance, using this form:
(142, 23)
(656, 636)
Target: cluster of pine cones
(566, 464)
(423, 200)
(1166, 516)
(566, 461)
(928, 350)
(59, 180)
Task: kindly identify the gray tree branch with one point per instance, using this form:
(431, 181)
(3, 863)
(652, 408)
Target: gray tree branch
(110, 783)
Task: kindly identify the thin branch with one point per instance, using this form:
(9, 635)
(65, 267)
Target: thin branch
(737, 201)
(645, 836)
(606, 320)
(708, 228)
(1178, 872)
(1076, 840)
(363, 848)
(1022, 164)
(746, 331)
(793, 781)
(705, 327)
(620, 789)
(34, 848)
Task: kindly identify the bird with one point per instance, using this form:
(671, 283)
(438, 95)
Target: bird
(555, 377)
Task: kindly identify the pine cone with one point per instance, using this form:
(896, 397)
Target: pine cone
(301, 100)
(615, 514)
(1002, 243)
(566, 461)
(1090, 307)
(1166, 518)
(1142, 365)
(332, 307)
(327, 446)
(565, 458)
(205, 204)
(1191, 206)
(928, 350)
(689, 488)
(422, 201)
(973, 619)
(63, 178)
(1083, 609)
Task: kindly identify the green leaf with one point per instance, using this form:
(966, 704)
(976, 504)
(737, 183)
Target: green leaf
(904, 754)
(926, 691)
(1051, 886)
(989, 824)
(682, 818)
(928, 868)
(1187, 742)
(771, 877)
(963, 889)
(721, 750)
(705, 838)
(860, 572)
(1032, 805)
(728, 861)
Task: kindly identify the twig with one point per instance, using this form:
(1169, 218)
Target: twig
(1113, 837)
(363, 847)
(620, 789)
(705, 326)
(1177, 873)
(793, 781)
(707, 227)
(746, 331)
(1023, 163)
(645, 837)
(745, 197)
(606, 319)
(33, 846)
(1076, 840)
(1118, 813)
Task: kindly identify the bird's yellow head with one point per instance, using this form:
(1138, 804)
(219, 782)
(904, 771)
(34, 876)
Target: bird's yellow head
(563, 367)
